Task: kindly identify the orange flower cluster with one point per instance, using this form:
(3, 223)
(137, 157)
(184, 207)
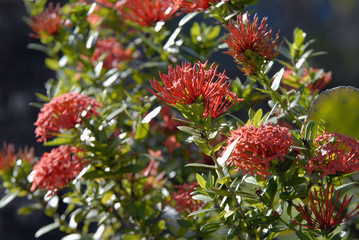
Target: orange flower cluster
(64, 112)
(182, 199)
(195, 5)
(257, 147)
(8, 156)
(146, 12)
(188, 85)
(251, 45)
(336, 154)
(323, 206)
(48, 22)
(57, 168)
(113, 53)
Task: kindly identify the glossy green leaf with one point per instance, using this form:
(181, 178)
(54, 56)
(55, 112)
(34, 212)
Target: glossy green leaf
(9, 197)
(338, 107)
(201, 211)
(29, 208)
(141, 131)
(210, 227)
(200, 165)
(52, 64)
(277, 79)
(201, 181)
(46, 229)
(202, 197)
(59, 141)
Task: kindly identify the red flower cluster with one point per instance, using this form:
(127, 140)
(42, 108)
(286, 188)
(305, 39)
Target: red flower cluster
(188, 85)
(251, 45)
(308, 79)
(336, 154)
(182, 199)
(112, 53)
(8, 156)
(146, 12)
(63, 113)
(195, 5)
(57, 168)
(323, 207)
(154, 180)
(258, 146)
(46, 23)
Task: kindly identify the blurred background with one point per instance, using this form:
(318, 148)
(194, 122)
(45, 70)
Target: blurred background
(333, 23)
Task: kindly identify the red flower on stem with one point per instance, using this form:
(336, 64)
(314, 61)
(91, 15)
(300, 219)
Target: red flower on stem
(251, 45)
(323, 207)
(112, 52)
(64, 112)
(195, 5)
(8, 156)
(257, 147)
(46, 23)
(146, 12)
(182, 199)
(309, 79)
(187, 85)
(336, 154)
(57, 168)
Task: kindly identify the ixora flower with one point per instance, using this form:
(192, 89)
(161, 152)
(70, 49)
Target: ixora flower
(323, 214)
(257, 147)
(8, 156)
(112, 53)
(182, 199)
(187, 85)
(251, 45)
(46, 23)
(195, 5)
(146, 12)
(314, 79)
(336, 154)
(57, 168)
(64, 112)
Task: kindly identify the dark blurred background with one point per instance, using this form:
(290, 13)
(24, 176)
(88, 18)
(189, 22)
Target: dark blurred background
(333, 23)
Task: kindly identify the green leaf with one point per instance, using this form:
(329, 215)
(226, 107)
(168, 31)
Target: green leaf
(151, 115)
(339, 236)
(59, 141)
(277, 79)
(201, 211)
(201, 181)
(302, 236)
(29, 208)
(299, 37)
(200, 165)
(188, 130)
(338, 107)
(96, 174)
(132, 237)
(296, 181)
(202, 197)
(222, 160)
(9, 197)
(52, 64)
(210, 227)
(106, 197)
(141, 131)
(272, 189)
(46, 229)
(310, 130)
